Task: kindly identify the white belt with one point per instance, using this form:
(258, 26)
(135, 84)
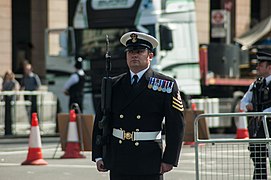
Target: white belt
(136, 136)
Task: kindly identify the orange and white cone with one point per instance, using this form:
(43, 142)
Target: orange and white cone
(242, 131)
(34, 156)
(72, 149)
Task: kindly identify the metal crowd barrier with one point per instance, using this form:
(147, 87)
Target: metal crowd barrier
(15, 112)
(226, 158)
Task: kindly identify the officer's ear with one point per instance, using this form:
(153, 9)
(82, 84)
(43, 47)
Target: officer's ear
(268, 64)
(150, 54)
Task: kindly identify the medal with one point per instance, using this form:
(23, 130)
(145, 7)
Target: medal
(164, 89)
(160, 85)
(155, 86)
(150, 83)
(170, 86)
(169, 90)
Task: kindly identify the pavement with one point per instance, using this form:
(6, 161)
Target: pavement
(215, 160)
(14, 150)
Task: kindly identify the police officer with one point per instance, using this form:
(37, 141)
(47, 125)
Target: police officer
(75, 85)
(257, 99)
(141, 99)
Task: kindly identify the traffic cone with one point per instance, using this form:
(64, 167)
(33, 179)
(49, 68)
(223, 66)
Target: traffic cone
(72, 149)
(242, 131)
(34, 156)
(194, 106)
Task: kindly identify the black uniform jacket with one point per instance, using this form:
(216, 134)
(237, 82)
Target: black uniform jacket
(142, 109)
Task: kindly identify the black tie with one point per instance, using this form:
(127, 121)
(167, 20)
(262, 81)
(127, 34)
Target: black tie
(135, 78)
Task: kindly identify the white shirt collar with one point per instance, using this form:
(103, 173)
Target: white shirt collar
(139, 74)
(268, 79)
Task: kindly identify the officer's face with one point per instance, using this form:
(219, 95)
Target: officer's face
(139, 59)
(263, 69)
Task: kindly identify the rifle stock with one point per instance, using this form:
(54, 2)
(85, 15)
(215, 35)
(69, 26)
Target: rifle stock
(106, 101)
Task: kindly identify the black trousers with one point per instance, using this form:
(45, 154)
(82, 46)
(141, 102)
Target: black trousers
(78, 100)
(33, 108)
(116, 176)
(8, 114)
(259, 153)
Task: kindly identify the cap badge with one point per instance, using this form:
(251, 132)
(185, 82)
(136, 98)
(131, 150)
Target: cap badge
(133, 37)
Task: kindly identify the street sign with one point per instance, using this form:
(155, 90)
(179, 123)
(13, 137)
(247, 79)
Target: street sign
(218, 21)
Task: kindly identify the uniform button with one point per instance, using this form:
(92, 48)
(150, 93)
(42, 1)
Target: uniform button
(138, 116)
(121, 116)
(120, 141)
(136, 143)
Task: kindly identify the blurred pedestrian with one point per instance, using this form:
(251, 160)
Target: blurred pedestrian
(9, 84)
(74, 87)
(258, 99)
(30, 82)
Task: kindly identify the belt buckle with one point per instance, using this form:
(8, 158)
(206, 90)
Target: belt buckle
(128, 135)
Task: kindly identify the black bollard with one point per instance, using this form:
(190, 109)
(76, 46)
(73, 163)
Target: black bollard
(8, 116)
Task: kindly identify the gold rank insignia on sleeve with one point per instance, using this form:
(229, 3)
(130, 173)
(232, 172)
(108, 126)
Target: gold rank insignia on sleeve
(177, 102)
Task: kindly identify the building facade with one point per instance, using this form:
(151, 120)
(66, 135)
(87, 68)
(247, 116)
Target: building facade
(23, 23)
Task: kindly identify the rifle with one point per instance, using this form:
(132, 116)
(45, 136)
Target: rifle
(106, 92)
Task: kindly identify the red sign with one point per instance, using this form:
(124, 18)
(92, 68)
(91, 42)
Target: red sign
(218, 17)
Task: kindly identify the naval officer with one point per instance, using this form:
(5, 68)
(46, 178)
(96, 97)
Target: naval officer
(141, 99)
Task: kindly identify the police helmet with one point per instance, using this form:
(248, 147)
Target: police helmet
(78, 63)
(263, 56)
